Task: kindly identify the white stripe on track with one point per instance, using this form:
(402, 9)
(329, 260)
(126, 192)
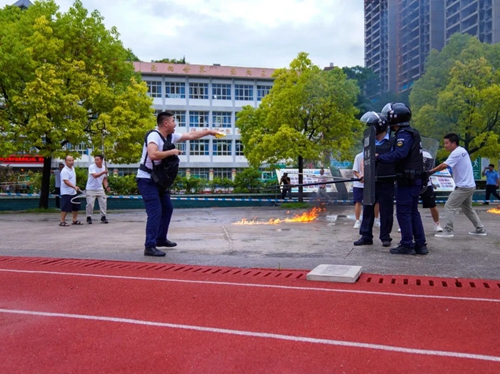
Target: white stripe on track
(298, 339)
(252, 285)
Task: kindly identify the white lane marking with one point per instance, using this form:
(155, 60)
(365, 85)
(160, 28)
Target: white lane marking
(299, 339)
(252, 285)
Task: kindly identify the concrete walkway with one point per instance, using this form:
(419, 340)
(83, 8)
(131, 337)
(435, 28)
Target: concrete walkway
(209, 236)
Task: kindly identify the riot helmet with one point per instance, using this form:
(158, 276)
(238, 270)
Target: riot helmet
(398, 114)
(375, 119)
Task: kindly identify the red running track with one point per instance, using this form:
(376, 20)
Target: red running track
(75, 316)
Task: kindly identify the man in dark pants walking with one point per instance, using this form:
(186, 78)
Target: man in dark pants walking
(384, 186)
(408, 164)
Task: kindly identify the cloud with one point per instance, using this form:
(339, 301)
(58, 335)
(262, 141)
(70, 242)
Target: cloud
(253, 33)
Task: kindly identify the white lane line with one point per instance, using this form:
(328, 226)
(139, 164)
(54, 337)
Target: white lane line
(298, 339)
(252, 285)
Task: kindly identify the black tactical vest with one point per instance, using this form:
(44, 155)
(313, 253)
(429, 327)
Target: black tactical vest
(412, 166)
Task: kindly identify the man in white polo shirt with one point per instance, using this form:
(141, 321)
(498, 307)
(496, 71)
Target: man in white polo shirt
(461, 197)
(97, 182)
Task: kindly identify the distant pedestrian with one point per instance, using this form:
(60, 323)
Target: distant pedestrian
(97, 185)
(57, 184)
(322, 194)
(285, 181)
(491, 183)
(461, 197)
(69, 189)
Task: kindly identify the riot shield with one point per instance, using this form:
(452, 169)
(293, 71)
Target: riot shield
(369, 171)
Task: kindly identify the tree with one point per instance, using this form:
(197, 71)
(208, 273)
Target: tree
(369, 87)
(173, 60)
(307, 114)
(460, 93)
(64, 81)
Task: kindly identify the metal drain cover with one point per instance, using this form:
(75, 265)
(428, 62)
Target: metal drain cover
(335, 273)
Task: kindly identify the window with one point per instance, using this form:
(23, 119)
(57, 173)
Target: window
(181, 147)
(199, 147)
(180, 117)
(202, 173)
(81, 148)
(239, 148)
(262, 91)
(198, 90)
(222, 147)
(221, 119)
(223, 173)
(175, 90)
(243, 92)
(221, 91)
(198, 119)
(154, 88)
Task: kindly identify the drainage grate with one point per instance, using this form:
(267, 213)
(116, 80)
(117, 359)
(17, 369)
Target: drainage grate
(264, 273)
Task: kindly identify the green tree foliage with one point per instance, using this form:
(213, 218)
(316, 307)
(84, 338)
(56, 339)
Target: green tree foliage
(173, 60)
(65, 78)
(369, 88)
(459, 93)
(307, 114)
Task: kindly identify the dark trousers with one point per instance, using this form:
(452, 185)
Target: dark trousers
(384, 195)
(57, 192)
(285, 191)
(159, 210)
(491, 189)
(408, 215)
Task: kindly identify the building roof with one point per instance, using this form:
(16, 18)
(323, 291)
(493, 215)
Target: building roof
(158, 68)
(23, 4)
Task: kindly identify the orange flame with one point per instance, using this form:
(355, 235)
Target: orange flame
(494, 210)
(308, 216)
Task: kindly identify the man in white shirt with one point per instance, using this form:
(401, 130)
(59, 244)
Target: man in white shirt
(461, 197)
(97, 183)
(357, 189)
(68, 191)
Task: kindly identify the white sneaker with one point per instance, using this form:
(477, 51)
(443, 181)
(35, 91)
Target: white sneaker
(438, 228)
(399, 229)
(357, 224)
(479, 231)
(377, 222)
(444, 234)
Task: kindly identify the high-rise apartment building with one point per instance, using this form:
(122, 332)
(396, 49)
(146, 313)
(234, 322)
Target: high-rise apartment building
(399, 34)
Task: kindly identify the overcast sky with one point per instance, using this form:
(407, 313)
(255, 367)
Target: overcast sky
(249, 33)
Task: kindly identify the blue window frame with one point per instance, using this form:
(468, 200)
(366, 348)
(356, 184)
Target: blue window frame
(221, 91)
(243, 92)
(175, 90)
(198, 90)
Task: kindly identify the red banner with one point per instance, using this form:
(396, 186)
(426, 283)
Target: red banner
(27, 159)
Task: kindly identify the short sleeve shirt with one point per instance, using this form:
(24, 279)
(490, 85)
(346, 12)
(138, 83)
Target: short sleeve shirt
(461, 166)
(358, 167)
(69, 175)
(95, 183)
(491, 177)
(153, 137)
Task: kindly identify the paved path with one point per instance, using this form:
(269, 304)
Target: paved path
(210, 236)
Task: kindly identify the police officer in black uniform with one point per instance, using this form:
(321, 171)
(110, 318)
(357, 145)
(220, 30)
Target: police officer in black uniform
(384, 185)
(408, 164)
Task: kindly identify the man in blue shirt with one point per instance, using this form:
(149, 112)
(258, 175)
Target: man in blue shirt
(491, 182)
(408, 164)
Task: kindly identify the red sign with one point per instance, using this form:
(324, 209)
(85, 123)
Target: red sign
(27, 159)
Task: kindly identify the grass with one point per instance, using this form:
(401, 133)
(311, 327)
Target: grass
(295, 205)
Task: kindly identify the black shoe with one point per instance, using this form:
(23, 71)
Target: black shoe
(104, 220)
(166, 243)
(386, 243)
(422, 250)
(89, 220)
(363, 242)
(153, 252)
(402, 250)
